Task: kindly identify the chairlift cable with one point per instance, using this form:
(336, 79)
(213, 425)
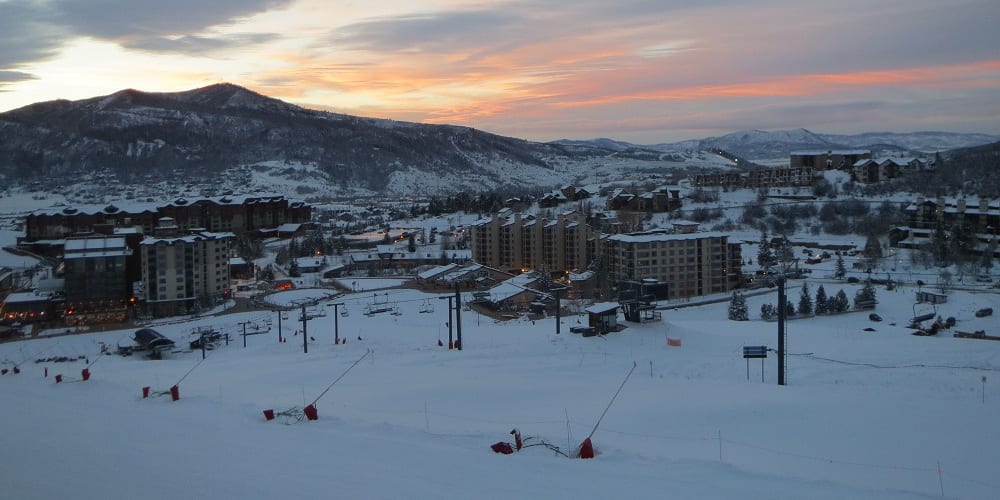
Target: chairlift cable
(369, 351)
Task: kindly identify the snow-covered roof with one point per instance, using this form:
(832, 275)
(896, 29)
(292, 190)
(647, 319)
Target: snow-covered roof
(436, 271)
(460, 273)
(137, 207)
(514, 286)
(602, 307)
(289, 227)
(309, 262)
(842, 152)
(82, 248)
(237, 261)
(188, 238)
(584, 276)
(20, 297)
(660, 236)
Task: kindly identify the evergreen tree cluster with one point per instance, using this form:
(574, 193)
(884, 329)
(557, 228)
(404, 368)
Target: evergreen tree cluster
(822, 304)
(738, 310)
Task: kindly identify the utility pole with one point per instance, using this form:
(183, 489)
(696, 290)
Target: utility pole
(244, 323)
(449, 298)
(781, 329)
(336, 325)
(305, 337)
(556, 292)
(279, 326)
(458, 315)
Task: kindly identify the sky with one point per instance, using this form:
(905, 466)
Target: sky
(645, 71)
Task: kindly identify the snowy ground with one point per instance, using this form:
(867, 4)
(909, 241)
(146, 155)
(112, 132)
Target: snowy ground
(864, 414)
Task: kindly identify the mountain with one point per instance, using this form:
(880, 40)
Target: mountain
(761, 145)
(925, 142)
(202, 132)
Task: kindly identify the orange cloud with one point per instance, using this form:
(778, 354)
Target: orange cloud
(950, 76)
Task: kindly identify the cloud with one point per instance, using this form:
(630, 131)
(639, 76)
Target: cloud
(195, 44)
(32, 30)
(430, 32)
(145, 19)
(9, 77)
(25, 35)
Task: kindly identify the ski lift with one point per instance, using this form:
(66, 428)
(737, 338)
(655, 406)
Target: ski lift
(426, 306)
(344, 312)
(928, 312)
(395, 310)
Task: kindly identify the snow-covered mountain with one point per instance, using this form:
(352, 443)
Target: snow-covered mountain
(925, 142)
(760, 144)
(202, 132)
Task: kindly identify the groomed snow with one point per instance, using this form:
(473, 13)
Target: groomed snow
(415, 420)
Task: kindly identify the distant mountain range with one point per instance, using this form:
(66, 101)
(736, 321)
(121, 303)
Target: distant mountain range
(761, 145)
(198, 134)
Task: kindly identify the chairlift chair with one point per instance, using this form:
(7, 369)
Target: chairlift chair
(344, 312)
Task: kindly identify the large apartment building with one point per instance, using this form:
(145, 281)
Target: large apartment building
(690, 263)
(514, 242)
(182, 272)
(758, 178)
(234, 213)
(828, 160)
(981, 218)
(96, 283)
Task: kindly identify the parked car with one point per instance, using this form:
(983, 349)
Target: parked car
(852, 279)
(984, 279)
(874, 317)
(986, 311)
(852, 253)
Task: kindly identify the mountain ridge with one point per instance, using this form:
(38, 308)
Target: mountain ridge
(200, 133)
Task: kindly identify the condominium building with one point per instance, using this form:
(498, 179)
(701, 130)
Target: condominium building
(514, 242)
(981, 218)
(184, 272)
(690, 263)
(828, 160)
(234, 213)
(96, 283)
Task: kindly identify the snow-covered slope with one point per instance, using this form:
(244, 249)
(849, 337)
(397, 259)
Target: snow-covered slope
(865, 414)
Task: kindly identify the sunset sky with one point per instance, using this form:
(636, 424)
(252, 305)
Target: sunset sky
(645, 71)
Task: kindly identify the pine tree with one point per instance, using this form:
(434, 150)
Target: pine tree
(738, 310)
(822, 306)
(873, 249)
(805, 301)
(281, 257)
(767, 312)
(841, 270)
(986, 260)
(783, 253)
(839, 302)
(865, 298)
(764, 256)
(789, 308)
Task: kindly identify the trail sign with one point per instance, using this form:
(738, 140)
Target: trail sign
(755, 352)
